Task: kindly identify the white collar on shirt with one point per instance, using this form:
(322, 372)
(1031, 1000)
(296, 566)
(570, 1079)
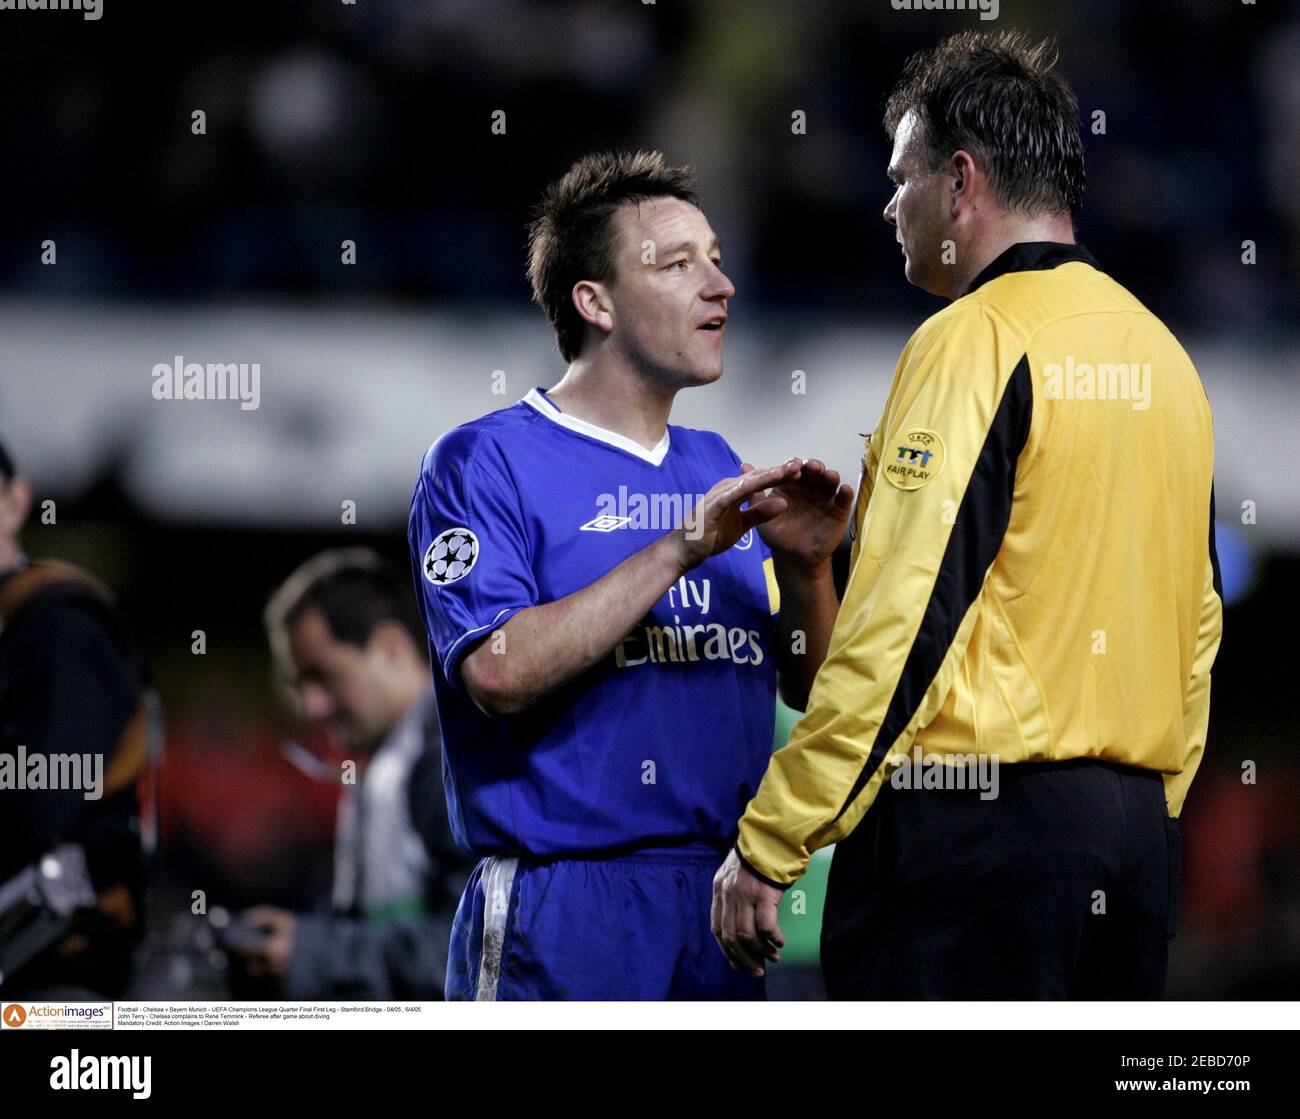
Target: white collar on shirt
(539, 401)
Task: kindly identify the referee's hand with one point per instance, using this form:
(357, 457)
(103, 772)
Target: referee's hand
(744, 918)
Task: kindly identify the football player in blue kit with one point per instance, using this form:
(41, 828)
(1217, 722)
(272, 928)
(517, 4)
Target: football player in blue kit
(606, 624)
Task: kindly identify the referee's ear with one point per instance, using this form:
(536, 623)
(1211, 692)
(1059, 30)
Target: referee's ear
(965, 179)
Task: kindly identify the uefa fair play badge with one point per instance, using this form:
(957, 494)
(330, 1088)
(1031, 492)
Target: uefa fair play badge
(913, 459)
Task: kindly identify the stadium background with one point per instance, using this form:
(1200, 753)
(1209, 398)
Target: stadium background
(372, 122)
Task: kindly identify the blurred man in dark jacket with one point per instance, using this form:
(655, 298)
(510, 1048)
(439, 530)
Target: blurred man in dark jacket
(74, 739)
(348, 643)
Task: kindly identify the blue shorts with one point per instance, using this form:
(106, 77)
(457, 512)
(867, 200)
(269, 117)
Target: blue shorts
(632, 927)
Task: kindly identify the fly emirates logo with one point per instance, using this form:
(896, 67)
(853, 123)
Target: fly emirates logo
(686, 639)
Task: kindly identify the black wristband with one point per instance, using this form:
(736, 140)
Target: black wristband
(761, 877)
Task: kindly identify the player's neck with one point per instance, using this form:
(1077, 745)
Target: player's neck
(617, 400)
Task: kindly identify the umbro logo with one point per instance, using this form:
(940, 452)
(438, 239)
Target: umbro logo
(605, 523)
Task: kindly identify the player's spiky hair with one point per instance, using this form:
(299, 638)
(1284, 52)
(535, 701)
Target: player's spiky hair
(571, 237)
(997, 96)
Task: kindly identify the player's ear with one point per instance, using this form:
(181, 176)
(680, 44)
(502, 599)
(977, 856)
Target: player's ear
(593, 304)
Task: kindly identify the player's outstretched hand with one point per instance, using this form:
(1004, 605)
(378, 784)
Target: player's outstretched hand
(744, 918)
(718, 521)
(817, 507)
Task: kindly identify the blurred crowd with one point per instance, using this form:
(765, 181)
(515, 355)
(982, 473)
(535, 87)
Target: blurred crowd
(373, 122)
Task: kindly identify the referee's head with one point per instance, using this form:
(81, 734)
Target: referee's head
(986, 150)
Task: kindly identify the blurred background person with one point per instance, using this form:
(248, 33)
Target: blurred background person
(347, 642)
(72, 864)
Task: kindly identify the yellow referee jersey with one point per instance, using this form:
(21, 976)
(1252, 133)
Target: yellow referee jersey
(1033, 574)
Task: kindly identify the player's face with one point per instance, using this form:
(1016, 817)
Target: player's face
(339, 685)
(670, 294)
(919, 211)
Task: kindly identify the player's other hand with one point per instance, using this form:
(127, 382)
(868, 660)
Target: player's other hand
(718, 520)
(744, 918)
(817, 507)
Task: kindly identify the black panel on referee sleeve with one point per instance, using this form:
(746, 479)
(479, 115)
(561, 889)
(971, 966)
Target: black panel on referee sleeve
(976, 537)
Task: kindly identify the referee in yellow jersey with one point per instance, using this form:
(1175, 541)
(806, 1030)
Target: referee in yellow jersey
(1016, 691)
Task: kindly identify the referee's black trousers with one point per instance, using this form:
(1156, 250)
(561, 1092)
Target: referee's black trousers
(1065, 886)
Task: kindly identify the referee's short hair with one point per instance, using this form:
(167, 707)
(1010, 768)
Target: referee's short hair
(354, 589)
(997, 96)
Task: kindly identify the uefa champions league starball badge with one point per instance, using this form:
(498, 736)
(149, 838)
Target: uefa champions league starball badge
(451, 556)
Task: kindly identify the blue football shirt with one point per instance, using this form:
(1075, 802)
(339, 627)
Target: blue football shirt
(664, 741)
